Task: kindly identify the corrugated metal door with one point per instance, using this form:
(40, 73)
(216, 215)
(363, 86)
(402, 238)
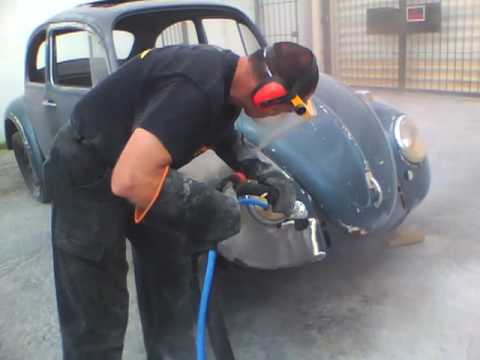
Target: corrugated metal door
(448, 60)
(361, 59)
(277, 19)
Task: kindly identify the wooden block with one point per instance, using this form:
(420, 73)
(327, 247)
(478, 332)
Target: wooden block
(405, 237)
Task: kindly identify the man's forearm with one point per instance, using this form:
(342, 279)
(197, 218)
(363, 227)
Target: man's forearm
(240, 154)
(140, 168)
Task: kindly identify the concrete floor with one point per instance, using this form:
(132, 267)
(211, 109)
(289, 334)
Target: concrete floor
(365, 301)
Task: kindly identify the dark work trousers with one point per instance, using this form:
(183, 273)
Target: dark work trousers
(89, 231)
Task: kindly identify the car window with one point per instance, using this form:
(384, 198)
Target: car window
(182, 32)
(251, 42)
(80, 59)
(40, 60)
(36, 59)
(123, 42)
(229, 34)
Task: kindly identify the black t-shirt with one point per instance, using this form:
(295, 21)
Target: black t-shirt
(178, 93)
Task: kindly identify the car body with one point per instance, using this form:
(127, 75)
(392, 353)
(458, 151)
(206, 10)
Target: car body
(359, 165)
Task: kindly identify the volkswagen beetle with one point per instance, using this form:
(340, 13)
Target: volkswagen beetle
(359, 165)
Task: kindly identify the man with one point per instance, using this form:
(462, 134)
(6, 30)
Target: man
(112, 175)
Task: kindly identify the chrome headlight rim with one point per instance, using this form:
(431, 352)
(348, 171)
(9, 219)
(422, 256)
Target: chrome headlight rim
(406, 150)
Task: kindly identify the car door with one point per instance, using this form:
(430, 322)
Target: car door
(35, 88)
(77, 62)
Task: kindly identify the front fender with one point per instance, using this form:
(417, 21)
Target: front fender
(386, 114)
(16, 119)
(413, 179)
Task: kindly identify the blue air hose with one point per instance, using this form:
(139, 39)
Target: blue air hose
(207, 285)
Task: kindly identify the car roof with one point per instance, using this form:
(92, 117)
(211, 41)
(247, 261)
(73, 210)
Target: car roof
(103, 14)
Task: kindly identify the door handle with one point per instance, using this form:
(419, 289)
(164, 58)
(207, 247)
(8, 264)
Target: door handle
(49, 103)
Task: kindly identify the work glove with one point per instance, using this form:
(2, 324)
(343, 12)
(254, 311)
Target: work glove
(282, 193)
(206, 216)
(242, 156)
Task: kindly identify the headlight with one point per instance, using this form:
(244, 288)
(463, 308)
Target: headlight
(409, 140)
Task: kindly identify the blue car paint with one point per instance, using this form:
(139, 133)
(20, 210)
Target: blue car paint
(318, 170)
(330, 155)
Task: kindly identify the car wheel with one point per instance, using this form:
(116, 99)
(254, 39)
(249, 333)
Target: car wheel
(32, 179)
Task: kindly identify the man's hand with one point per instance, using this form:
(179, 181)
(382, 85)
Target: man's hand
(242, 156)
(283, 194)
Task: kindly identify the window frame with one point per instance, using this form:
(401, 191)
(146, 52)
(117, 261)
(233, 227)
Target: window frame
(184, 32)
(52, 31)
(32, 54)
(241, 35)
(115, 49)
(194, 13)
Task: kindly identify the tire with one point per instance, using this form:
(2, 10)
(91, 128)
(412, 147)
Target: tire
(33, 180)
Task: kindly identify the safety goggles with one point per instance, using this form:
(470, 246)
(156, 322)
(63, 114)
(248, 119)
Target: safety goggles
(305, 109)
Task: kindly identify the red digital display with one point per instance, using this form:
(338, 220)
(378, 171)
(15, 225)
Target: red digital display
(416, 13)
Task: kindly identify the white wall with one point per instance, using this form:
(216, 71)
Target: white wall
(18, 18)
